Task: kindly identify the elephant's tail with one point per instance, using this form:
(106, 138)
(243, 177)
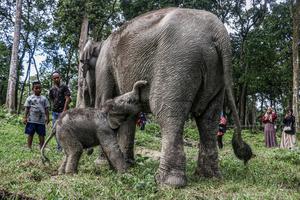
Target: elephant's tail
(53, 132)
(241, 149)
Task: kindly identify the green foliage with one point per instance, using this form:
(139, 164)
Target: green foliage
(133, 8)
(190, 130)
(262, 57)
(4, 70)
(13, 119)
(149, 137)
(103, 17)
(270, 70)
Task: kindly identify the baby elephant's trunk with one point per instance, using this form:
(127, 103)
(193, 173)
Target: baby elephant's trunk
(112, 151)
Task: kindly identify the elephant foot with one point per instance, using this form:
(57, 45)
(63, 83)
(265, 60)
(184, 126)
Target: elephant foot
(71, 172)
(208, 172)
(121, 169)
(130, 162)
(207, 165)
(174, 178)
(60, 172)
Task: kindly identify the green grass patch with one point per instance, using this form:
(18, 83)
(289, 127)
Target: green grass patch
(272, 174)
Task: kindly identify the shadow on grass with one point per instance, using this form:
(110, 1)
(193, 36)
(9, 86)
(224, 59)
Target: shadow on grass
(8, 195)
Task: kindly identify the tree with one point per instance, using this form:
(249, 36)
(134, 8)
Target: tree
(296, 20)
(244, 22)
(4, 70)
(269, 54)
(11, 95)
(82, 41)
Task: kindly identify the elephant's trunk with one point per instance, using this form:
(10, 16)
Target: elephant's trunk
(241, 149)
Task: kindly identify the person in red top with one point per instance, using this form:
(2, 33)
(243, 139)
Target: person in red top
(221, 131)
(270, 133)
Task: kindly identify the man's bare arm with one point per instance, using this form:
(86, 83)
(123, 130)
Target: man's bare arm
(68, 100)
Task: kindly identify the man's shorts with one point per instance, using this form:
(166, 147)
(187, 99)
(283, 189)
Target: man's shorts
(31, 128)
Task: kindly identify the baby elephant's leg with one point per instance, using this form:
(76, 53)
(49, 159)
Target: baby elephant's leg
(110, 147)
(62, 168)
(73, 149)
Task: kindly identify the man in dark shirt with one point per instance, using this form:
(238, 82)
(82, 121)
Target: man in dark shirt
(60, 96)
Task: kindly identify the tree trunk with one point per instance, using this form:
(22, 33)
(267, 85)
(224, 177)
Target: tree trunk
(2, 94)
(11, 89)
(253, 111)
(82, 41)
(243, 102)
(69, 67)
(23, 86)
(296, 21)
(36, 69)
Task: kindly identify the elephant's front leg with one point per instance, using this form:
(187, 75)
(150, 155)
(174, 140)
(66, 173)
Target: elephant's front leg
(62, 168)
(126, 135)
(111, 149)
(172, 161)
(208, 153)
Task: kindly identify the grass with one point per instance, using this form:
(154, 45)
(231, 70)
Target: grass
(273, 174)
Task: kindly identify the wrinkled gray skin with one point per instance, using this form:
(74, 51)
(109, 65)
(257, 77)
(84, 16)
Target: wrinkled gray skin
(83, 128)
(89, 58)
(185, 56)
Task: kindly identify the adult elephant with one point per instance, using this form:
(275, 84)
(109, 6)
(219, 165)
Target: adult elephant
(185, 56)
(89, 58)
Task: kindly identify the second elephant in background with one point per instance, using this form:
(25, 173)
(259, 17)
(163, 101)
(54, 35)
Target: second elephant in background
(88, 58)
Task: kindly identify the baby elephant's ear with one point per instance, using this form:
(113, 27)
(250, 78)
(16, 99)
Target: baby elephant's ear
(108, 105)
(136, 88)
(138, 85)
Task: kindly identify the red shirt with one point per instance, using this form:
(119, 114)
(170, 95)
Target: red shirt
(269, 118)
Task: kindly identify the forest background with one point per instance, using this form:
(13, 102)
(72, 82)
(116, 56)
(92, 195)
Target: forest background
(261, 34)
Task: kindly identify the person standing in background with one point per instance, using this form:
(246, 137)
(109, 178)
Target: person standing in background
(221, 131)
(60, 96)
(36, 115)
(142, 120)
(270, 133)
(288, 137)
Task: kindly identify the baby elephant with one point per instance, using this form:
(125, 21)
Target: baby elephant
(81, 128)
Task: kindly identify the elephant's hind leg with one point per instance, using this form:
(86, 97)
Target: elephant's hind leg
(207, 124)
(172, 165)
(74, 154)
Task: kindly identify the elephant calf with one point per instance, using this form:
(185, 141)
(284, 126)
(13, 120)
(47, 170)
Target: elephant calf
(81, 128)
